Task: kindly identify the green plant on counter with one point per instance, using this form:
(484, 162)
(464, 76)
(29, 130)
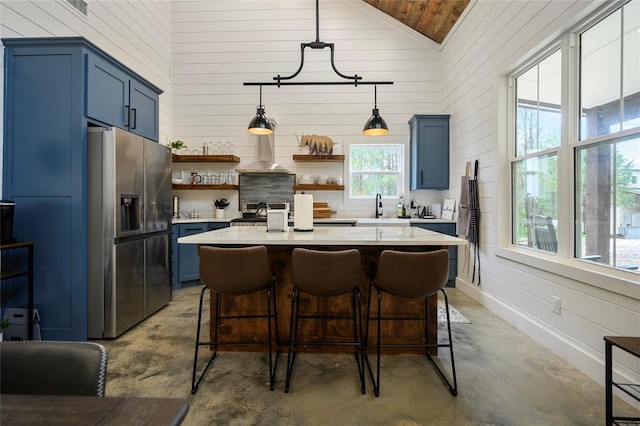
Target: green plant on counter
(176, 145)
(221, 204)
(4, 324)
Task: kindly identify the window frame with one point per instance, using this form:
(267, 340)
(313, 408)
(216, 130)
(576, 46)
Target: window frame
(535, 60)
(400, 173)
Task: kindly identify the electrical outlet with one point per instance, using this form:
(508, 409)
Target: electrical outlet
(555, 304)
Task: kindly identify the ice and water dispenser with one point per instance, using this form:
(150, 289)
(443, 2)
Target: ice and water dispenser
(129, 212)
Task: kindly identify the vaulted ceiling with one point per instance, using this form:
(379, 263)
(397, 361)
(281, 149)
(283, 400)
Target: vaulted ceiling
(433, 18)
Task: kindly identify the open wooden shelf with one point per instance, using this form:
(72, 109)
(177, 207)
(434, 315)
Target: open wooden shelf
(326, 187)
(206, 187)
(204, 158)
(319, 158)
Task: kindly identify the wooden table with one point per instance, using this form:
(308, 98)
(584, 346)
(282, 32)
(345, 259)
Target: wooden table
(89, 410)
(370, 241)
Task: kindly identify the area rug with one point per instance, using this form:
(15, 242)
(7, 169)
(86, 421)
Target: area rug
(454, 315)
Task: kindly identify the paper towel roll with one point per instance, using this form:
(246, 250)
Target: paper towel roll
(303, 212)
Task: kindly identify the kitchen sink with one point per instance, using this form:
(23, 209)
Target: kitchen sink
(383, 222)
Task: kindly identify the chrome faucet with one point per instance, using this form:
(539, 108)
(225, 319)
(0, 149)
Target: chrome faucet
(378, 205)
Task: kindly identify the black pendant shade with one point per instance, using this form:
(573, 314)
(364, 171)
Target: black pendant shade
(259, 125)
(376, 125)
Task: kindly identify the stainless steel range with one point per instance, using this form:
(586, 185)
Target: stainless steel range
(255, 214)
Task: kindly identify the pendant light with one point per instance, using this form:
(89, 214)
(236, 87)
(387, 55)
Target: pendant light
(376, 125)
(260, 125)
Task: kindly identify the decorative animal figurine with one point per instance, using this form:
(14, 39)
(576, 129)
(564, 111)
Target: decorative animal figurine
(318, 145)
(316, 139)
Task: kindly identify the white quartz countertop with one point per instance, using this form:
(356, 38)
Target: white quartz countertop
(339, 236)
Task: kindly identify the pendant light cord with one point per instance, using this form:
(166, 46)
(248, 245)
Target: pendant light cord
(318, 23)
(375, 96)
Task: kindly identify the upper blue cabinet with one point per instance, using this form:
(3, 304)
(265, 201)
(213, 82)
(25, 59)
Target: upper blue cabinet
(429, 146)
(118, 98)
(55, 88)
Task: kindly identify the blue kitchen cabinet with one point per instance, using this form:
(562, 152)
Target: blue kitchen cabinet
(116, 97)
(429, 151)
(212, 226)
(175, 232)
(188, 260)
(448, 229)
(46, 94)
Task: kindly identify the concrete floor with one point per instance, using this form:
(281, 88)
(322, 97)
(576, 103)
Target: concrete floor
(504, 378)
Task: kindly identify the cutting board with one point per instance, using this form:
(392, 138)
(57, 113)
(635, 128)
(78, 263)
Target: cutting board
(322, 210)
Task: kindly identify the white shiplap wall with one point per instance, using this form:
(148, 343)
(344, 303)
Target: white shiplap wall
(218, 45)
(493, 38)
(137, 33)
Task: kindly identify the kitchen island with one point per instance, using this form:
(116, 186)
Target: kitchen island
(370, 241)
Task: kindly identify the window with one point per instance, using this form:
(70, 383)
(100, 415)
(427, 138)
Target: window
(536, 201)
(608, 203)
(601, 140)
(538, 120)
(534, 168)
(610, 74)
(607, 217)
(375, 169)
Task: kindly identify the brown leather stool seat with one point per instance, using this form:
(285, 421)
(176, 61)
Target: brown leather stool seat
(237, 271)
(326, 274)
(410, 274)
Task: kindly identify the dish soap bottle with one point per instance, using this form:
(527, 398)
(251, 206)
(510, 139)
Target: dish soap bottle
(400, 213)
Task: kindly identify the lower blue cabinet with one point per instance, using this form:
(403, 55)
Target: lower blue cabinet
(448, 229)
(217, 225)
(188, 260)
(185, 256)
(175, 233)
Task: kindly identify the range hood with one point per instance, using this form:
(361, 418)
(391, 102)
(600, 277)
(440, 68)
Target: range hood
(265, 163)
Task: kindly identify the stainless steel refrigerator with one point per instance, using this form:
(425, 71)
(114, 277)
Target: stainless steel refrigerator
(129, 210)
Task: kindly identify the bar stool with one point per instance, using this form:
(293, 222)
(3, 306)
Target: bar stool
(326, 274)
(236, 271)
(408, 274)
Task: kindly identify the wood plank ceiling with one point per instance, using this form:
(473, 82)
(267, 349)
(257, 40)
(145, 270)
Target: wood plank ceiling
(433, 18)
